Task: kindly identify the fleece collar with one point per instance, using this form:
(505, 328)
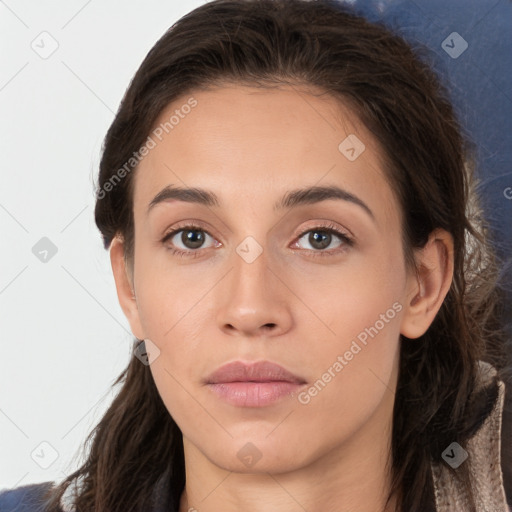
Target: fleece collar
(483, 453)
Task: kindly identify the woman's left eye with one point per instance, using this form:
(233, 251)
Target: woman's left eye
(321, 238)
(194, 237)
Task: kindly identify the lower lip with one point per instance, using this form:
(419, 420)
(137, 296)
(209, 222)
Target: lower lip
(253, 394)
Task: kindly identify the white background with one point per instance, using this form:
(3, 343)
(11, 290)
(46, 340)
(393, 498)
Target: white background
(63, 335)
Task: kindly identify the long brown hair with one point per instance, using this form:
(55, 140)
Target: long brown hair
(398, 97)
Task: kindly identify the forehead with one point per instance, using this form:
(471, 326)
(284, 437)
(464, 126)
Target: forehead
(251, 145)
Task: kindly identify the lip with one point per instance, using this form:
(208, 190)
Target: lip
(253, 384)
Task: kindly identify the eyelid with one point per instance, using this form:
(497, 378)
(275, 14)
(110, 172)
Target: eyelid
(184, 226)
(327, 226)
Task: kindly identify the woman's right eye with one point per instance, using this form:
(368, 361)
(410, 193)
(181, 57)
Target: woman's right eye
(191, 237)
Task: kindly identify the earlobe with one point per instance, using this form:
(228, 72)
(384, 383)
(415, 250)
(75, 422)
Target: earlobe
(430, 285)
(125, 287)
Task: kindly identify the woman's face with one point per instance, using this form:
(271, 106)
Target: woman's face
(265, 278)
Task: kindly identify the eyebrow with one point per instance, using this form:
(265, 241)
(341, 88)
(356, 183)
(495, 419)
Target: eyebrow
(291, 199)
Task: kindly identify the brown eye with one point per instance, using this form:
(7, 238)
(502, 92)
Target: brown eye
(192, 238)
(321, 238)
(186, 239)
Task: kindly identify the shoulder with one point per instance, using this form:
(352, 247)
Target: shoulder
(483, 459)
(26, 498)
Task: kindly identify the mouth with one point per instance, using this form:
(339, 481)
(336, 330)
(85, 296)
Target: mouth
(253, 384)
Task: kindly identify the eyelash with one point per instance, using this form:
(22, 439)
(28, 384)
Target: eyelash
(327, 228)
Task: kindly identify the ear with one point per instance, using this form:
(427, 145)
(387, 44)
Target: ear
(429, 286)
(125, 288)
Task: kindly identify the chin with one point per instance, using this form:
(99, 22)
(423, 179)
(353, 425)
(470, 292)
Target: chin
(258, 455)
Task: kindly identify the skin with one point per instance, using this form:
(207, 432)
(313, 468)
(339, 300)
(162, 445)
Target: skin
(251, 146)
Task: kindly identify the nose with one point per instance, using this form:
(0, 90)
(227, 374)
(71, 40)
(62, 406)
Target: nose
(252, 300)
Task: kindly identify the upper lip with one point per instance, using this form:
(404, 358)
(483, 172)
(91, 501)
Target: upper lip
(262, 371)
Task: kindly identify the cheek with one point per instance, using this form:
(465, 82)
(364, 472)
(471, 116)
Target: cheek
(356, 362)
(168, 295)
(177, 371)
(183, 401)
(343, 300)
(354, 373)
(360, 338)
